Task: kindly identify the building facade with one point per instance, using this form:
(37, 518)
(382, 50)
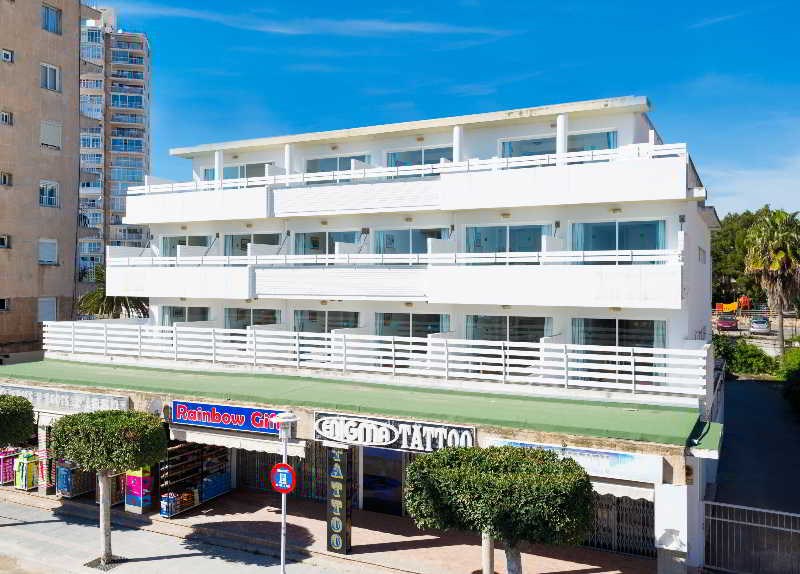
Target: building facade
(115, 134)
(557, 252)
(38, 167)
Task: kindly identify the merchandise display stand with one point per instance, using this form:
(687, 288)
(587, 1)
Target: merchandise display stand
(26, 470)
(7, 457)
(72, 481)
(191, 475)
(139, 490)
(117, 483)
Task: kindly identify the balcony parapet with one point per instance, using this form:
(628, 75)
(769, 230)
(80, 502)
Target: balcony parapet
(626, 374)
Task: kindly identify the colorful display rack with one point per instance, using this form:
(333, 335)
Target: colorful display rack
(26, 470)
(72, 482)
(191, 475)
(7, 458)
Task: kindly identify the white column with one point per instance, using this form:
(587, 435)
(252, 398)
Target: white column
(287, 158)
(562, 129)
(219, 162)
(458, 139)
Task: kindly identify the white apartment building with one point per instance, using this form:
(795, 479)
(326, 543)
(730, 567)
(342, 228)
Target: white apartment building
(559, 251)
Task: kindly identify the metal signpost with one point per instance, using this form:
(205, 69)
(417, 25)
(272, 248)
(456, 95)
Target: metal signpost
(282, 476)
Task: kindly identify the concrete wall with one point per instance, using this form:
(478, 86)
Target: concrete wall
(22, 278)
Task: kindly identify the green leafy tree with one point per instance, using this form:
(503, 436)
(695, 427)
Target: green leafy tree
(728, 251)
(510, 494)
(96, 302)
(17, 423)
(109, 442)
(773, 257)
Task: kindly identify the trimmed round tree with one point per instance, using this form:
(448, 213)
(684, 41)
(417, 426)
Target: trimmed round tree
(506, 493)
(17, 423)
(109, 442)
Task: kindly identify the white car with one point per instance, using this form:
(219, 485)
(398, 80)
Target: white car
(760, 326)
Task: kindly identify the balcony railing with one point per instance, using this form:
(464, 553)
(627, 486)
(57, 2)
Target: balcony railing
(368, 174)
(633, 374)
(628, 257)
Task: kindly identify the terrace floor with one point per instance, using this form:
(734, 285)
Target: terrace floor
(655, 424)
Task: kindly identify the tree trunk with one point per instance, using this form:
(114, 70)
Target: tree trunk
(487, 553)
(513, 559)
(780, 329)
(104, 486)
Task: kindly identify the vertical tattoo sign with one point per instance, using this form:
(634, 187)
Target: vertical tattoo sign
(340, 468)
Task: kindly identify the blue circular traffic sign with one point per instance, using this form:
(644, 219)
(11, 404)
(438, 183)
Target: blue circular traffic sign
(283, 478)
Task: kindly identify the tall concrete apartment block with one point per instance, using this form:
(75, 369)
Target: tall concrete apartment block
(115, 134)
(38, 166)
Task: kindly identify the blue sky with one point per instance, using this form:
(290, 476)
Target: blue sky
(723, 76)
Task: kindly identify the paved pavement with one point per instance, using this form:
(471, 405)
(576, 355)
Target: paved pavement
(760, 459)
(34, 541)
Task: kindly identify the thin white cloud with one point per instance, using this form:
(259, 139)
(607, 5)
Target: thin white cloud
(706, 22)
(739, 188)
(304, 27)
(489, 87)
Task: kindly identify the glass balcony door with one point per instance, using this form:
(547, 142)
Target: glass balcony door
(236, 245)
(620, 332)
(406, 241)
(619, 235)
(507, 328)
(242, 318)
(410, 324)
(169, 245)
(312, 321)
(322, 242)
(506, 238)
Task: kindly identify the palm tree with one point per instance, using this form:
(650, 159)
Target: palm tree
(96, 302)
(773, 257)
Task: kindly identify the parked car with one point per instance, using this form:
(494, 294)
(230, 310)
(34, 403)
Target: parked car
(727, 322)
(760, 326)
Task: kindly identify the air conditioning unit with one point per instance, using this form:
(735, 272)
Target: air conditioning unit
(5, 241)
(7, 56)
(6, 118)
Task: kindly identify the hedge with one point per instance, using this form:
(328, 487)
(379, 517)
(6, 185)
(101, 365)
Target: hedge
(17, 423)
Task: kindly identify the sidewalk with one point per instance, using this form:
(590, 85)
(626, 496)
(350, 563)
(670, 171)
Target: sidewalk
(248, 519)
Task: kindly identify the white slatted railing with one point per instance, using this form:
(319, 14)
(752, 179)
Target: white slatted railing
(393, 259)
(642, 374)
(381, 173)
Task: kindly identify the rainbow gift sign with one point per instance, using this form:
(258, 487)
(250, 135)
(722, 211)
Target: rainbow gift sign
(228, 417)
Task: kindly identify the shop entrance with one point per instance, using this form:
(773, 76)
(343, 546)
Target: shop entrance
(383, 480)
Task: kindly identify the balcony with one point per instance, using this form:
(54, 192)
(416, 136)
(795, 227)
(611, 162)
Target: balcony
(627, 279)
(203, 205)
(622, 374)
(630, 173)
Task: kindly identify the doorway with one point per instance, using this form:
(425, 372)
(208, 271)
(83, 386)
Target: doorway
(383, 480)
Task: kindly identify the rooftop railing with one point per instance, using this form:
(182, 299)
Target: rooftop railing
(631, 374)
(367, 174)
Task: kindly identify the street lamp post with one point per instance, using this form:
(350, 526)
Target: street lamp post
(285, 421)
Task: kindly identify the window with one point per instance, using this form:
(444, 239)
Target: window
(7, 56)
(243, 318)
(619, 235)
(236, 171)
(92, 36)
(127, 174)
(87, 247)
(91, 106)
(5, 242)
(127, 101)
(619, 332)
(507, 328)
(129, 74)
(5, 305)
(51, 19)
(339, 163)
(92, 84)
(410, 324)
(91, 51)
(127, 118)
(47, 309)
(422, 156)
(322, 242)
(50, 134)
(236, 245)
(171, 315)
(506, 238)
(50, 77)
(91, 158)
(91, 141)
(48, 193)
(324, 321)
(127, 145)
(6, 118)
(127, 161)
(6, 178)
(169, 245)
(547, 145)
(407, 240)
(95, 218)
(127, 132)
(48, 252)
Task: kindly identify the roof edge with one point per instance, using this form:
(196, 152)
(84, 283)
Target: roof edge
(628, 103)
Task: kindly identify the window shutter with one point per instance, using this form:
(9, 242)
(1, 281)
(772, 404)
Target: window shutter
(51, 134)
(47, 309)
(48, 251)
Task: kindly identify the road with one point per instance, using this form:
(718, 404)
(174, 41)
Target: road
(34, 541)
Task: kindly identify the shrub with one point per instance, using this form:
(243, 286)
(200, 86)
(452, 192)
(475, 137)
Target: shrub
(724, 347)
(17, 424)
(752, 360)
(789, 370)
